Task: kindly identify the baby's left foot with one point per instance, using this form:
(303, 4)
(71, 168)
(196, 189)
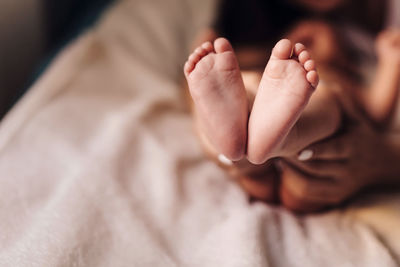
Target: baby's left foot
(287, 84)
(216, 86)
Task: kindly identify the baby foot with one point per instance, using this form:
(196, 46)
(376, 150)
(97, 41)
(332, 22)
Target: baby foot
(287, 84)
(216, 86)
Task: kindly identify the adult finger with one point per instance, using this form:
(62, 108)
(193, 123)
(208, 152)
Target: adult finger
(335, 149)
(262, 188)
(298, 205)
(324, 169)
(302, 192)
(260, 183)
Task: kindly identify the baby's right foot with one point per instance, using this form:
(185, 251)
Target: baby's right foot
(219, 96)
(287, 84)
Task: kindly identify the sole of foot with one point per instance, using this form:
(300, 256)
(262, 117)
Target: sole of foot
(220, 101)
(287, 84)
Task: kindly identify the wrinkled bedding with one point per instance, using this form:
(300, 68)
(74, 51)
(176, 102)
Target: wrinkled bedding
(100, 166)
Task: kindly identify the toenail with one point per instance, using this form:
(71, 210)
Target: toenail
(305, 155)
(224, 160)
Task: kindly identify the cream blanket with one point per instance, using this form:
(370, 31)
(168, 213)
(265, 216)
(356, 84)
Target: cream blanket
(99, 166)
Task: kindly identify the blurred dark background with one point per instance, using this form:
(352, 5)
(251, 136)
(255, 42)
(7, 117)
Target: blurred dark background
(32, 32)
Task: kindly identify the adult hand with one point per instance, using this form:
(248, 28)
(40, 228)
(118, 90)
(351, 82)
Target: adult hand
(329, 172)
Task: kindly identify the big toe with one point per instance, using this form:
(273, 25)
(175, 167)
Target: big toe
(283, 49)
(222, 45)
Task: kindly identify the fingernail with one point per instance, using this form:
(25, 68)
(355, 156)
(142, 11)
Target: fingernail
(305, 155)
(224, 160)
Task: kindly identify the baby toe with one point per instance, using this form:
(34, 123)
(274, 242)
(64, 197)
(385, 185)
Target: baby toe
(194, 58)
(298, 48)
(208, 47)
(312, 78)
(200, 51)
(222, 45)
(282, 50)
(188, 68)
(304, 57)
(309, 65)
